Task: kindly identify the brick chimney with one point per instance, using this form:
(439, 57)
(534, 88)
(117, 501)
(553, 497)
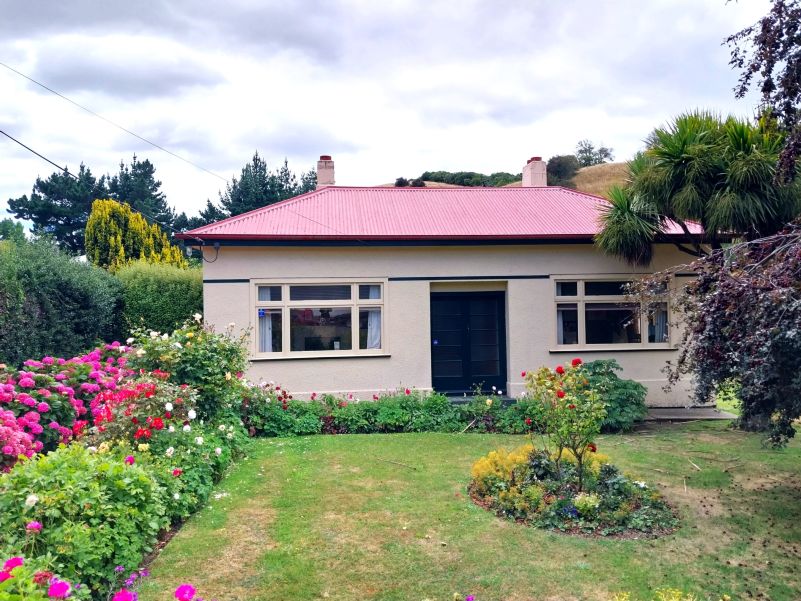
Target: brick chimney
(325, 171)
(534, 175)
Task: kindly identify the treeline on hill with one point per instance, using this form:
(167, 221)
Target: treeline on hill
(560, 169)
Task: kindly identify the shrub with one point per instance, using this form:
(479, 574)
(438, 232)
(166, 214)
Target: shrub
(624, 399)
(271, 411)
(212, 363)
(32, 579)
(52, 304)
(572, 411)
(161, 296)
(96, 511)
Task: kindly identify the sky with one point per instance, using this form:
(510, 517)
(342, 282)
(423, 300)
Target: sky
(389, 89)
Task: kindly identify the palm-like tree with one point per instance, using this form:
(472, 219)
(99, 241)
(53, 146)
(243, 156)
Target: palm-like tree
(702, 170)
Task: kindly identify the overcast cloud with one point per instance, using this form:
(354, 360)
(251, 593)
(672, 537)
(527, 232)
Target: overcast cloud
(388, 88)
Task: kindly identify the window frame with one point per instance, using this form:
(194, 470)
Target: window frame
(581, 300)
(286, 305)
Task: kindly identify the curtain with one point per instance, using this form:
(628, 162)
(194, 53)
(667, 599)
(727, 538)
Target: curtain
(374, 320)
(661, 325)
(265, 322)
(560, 327)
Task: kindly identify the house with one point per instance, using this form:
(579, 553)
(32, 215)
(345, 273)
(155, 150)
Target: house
(360, 290)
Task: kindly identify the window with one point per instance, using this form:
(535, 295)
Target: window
(319, 318)
(597, 312)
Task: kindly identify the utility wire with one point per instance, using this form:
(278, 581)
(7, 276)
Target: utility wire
(96, 187)
(110, 122)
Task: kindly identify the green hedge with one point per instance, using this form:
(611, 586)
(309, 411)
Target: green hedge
(160, 296)
(53, 304)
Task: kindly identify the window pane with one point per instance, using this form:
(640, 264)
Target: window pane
(566, 288)
(320, 329)
(658, 324)
(369, 291)
(303, 293)
(605, 288)
(612, 323)
(269, 330)
(370, 328)
(567, 324)
(269, 293)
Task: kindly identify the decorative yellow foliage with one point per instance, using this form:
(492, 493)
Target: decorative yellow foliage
(499, 466)
(117, 235)
(666, 594)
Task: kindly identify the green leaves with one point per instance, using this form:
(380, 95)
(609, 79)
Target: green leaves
(629, 226)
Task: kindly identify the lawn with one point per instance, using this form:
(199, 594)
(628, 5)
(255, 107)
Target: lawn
(387, 517)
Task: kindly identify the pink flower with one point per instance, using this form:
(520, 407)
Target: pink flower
(34, 527)
(5, 576)
(130, 460)
(43, 407)
(12, 563)
(59, 589)
(124, 595)
(185, 592)
(27, 382)
(408, 392)
(48, 360)
(8, 450)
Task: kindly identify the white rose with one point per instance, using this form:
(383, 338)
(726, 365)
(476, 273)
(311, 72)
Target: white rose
(176, 496)
(169, 452)
(197, 317)
(218, 451)
(31, 500)
(171, 429)
(192, 414)
(154, 334)
(168, 406)
(177, 345)
(187, 428)
(221, 428)
(140, 352)
(165, 336)
(130, 341)
(92, 449)
(199, 440)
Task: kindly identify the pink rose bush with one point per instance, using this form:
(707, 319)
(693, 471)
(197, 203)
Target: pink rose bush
(29, 580)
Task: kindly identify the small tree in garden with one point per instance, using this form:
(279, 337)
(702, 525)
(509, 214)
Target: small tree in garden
(742, 314)
(572, 411)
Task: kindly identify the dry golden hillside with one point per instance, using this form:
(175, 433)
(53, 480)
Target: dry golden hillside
(599, 178)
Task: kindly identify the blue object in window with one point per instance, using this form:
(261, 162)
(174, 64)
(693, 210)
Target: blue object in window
(262, 312)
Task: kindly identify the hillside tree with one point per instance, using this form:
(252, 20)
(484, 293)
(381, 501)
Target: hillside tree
(12, 231)
(588, 155)
(561, 169)
(136, 184)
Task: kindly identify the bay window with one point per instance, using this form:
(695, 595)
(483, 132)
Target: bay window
(598, 312)
(330, 319)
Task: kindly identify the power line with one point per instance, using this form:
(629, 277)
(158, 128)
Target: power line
(110, 122)
(96, 186)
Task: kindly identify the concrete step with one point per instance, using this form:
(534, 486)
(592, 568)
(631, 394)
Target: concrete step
(685, 414)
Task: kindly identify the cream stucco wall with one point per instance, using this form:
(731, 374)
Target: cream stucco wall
(524, 272)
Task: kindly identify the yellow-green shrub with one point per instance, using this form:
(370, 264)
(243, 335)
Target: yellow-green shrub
(498, 466)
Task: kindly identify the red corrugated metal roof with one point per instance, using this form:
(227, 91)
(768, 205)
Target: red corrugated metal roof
(342, 213)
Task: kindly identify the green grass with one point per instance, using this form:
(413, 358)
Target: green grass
(386, 517)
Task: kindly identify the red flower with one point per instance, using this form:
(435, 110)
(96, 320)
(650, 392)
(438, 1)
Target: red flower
(560, 370)
(522, 374)
(343, 403)
(134, 420)
(592, 447)
(408, 392)
(375, 397)
(560, 394)
(168, 415)
(528, 421)
(576, 362)
(41, 578)
(571, 406)
(157, 424)
(177, 472)
(139, 433)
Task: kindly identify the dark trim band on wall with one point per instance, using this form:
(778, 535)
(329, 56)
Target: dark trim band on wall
(462, 278)
(224, 281)
(424, 242)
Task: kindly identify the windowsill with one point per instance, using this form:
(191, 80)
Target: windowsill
(607, 348)
(323, 355)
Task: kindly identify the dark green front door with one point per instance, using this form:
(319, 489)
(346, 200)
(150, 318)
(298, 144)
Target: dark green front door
(468, 341)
